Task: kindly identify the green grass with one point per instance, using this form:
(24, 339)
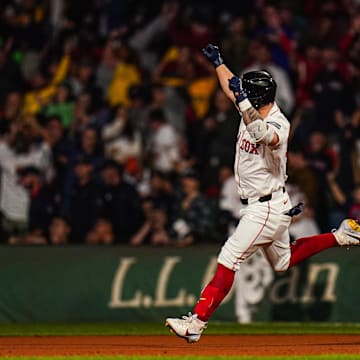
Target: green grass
(159, 329)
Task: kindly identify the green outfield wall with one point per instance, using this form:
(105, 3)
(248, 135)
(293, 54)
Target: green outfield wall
(87, 284)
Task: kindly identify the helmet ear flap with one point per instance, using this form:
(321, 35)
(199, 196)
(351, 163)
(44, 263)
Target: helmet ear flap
(260, 87)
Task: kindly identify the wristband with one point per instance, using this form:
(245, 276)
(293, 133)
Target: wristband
(244, 105)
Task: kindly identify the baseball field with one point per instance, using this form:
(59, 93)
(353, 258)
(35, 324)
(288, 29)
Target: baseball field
(153, 341)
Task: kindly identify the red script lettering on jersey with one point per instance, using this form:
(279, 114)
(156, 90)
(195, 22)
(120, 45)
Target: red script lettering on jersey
(249, 147)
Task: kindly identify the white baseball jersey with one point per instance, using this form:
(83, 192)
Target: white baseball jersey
(260, 170)
(14, 198)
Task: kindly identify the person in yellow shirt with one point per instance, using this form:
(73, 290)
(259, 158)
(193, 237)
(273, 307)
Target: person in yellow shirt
(181, 67)
(125, 75)
(43, 91)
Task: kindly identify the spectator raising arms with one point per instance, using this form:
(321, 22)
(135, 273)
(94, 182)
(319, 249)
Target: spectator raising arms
(19, 150)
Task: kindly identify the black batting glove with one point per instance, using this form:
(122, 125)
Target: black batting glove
(236, 88)
(212, 52)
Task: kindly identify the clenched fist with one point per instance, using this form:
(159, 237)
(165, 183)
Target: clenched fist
(212, 52)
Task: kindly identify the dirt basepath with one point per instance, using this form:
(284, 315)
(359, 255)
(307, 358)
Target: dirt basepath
(256, 345)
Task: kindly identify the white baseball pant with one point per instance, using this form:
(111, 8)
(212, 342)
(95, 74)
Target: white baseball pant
(261, 225)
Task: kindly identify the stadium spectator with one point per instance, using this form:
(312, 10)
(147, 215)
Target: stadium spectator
(151, 38)
(19, 150)
(341, 200)
(280, 39)
(214, 141)
(235, 44)
(26, 22)
(84, 204)
(229, 204)
(325, 21)
(80, 70)
(172, 102)
(192, 216)
(62, 149)
(61, 105)
(107, 65)
(183, 68)
(11, 78)
(308, 64)
(305, 223)
(59, 232)
(43, 85)
(322, 159)
(90, 147)
(11, 110)
(303, 176)
(161, 192)
(261, 58)
(331, 90)
(343, 176)
(122, 206)
(44, 203)
(138, 111)
(125, 75)
(164, 145)
(82, 78)
(192, 29)
(154, 230)
(123, 142)
(347, 136)
(350, 42)
(101, 233)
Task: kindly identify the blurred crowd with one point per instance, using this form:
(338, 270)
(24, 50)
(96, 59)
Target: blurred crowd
(113, 129)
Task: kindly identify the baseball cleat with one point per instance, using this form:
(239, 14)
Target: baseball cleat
(188, 327)
(348, 233)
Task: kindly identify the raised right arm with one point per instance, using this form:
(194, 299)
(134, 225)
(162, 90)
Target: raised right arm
(231, 85)
(223, 73)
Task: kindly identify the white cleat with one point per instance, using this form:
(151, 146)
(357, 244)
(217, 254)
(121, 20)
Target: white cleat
(348, 233)
(188, 327)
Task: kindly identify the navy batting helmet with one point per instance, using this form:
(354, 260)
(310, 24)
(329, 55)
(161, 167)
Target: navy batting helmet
(260, 87)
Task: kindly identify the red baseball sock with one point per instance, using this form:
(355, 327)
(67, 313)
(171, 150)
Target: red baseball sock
(214, 292)
(308, 246)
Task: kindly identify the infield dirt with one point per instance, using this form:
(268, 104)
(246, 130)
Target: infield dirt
(256, 345)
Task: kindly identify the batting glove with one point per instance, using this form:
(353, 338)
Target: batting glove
(212, 52)
(235, 87)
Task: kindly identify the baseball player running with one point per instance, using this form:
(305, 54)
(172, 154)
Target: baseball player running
(260, 171)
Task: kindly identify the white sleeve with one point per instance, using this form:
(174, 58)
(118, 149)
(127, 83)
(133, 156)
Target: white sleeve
(40, 158)
(281, 127)
(170, 143)
(169, 137)
(112, 130)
